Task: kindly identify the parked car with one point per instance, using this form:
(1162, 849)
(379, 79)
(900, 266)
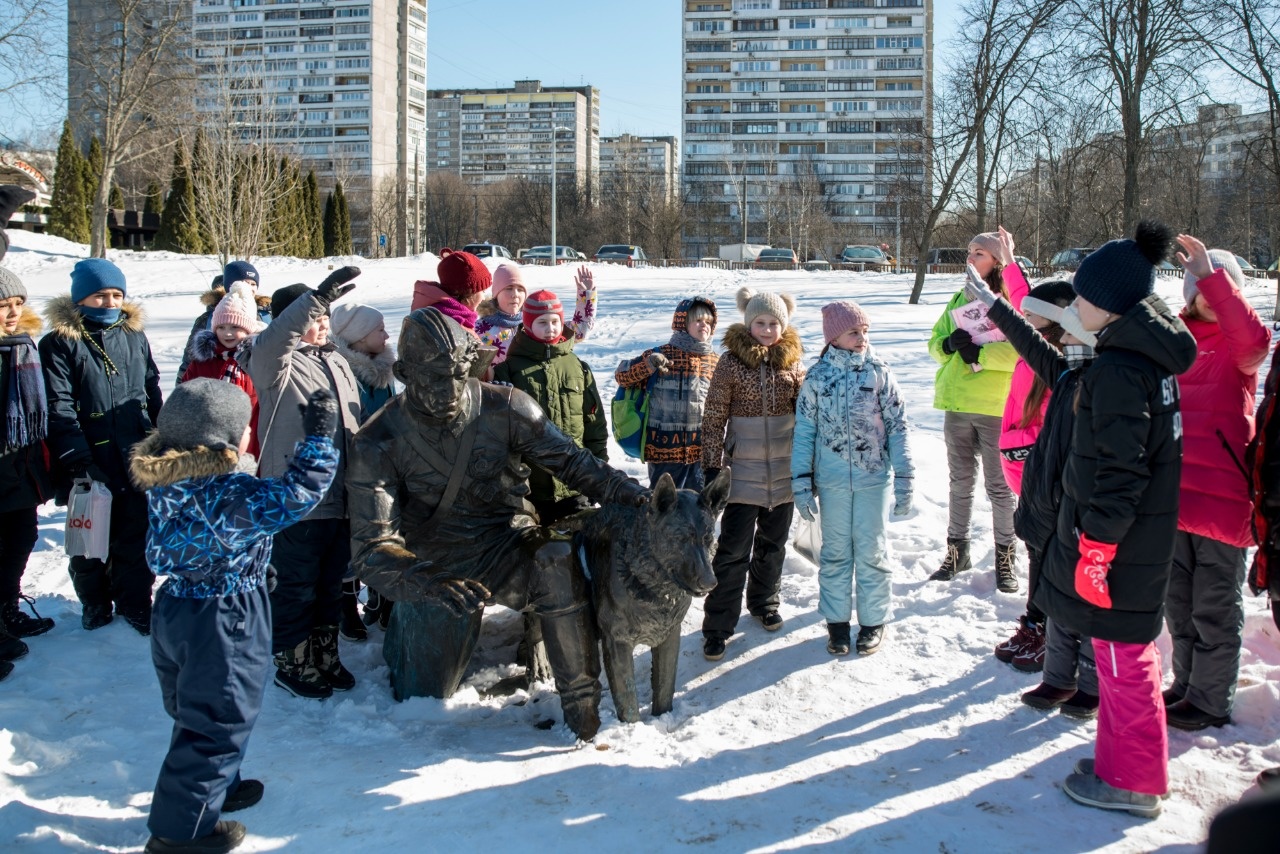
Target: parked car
(520, 253)
(488, 250)
(564, 254)
(776, 259)
(816, 264)
(620, 253)
(1247, 268)
(1069, 259)
(1024, 262)
(870, 257)
(950, 255)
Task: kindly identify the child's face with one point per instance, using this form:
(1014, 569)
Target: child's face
(1036, 320)
(547, 327)
(318, 332)
(511, 299)
(766, 330)
(374, 343)
(981, 260)
(229, 336)
(854, 339)
(10, 314)
(1092, 318)
(105, 298)
(1200, 309)
(701, 327)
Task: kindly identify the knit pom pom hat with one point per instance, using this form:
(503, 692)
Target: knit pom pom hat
(238, 308)
(462, 274)
(1121, 273)
(753, 304)
(839, 317)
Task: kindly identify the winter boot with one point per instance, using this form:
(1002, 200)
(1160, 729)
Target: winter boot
(1006, 570)
(225, 837)
(19, 624)
(349, 624)
(95, 616)
(296, 673)
(248, 793)
(377, 610)
(324, 655)
(1028, 634)
(11, 648)
(1046, 697)
(957, 561)
(1082, 706)
(1091, 790)
(1030, 659)
(1185, 715)
(869, 638)
(713, 648)
(138, 617)
(838, 638)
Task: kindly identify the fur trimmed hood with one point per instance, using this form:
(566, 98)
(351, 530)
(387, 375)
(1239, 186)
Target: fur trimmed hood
(488, 307)
(152, 465)
(203, 346)
(65, 319)
(29, 323)
(213, 296)
(785, 354)
(371, 371)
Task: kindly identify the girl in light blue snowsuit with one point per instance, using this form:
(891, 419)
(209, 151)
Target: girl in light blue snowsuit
(851, 432)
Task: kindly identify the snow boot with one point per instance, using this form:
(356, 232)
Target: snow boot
(771, 620)
(19, 624)
(1171, 695)
(94, 616)
(838, 638)
(296, 673)
(713, 648)
(1028, 634)
(869, 638)
(1085, 767)
(1045, 697)
(248, 793)
(11, 648)
(1185, 715)
(1006, 570)
(1030, 659)
(324, 655)
(377, 610)
(1091, 790)
(349, 623)
(957, 561)
(225, 837)
(139, 618)
(1082, 706)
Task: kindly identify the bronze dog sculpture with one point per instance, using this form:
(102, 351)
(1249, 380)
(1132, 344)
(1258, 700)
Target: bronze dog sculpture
(646, 564)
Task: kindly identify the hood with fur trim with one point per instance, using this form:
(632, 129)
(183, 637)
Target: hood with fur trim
(213, 296)
(29, 323)
(204, 346)
(371, 371)
(784, 354)
(488, 307)
(152, 465)
(65, 319)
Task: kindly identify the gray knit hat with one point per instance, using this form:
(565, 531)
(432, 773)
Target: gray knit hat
(204, 413)
(1221, 259)
(11, 285)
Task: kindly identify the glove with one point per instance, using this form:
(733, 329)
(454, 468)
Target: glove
(969, 353)
(335, 285)
(957, 339)
(319, 415)
(806, 503)
(901, 496)
(85, 469)
(976, 287)
(460, 595)
(1091, 571)
(658, 363)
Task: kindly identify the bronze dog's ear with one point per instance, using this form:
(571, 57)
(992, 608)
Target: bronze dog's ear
(664, 495)
(715, 495)
(398, 371)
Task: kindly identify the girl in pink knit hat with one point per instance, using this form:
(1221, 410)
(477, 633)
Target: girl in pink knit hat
(212, 352)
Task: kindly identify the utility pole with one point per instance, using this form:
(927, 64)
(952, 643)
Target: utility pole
(554, 130)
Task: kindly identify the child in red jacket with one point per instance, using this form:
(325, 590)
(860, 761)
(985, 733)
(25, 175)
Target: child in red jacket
(212, 353)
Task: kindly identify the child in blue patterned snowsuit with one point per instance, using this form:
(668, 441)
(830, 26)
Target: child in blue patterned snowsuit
(210, 533)
(851, 431)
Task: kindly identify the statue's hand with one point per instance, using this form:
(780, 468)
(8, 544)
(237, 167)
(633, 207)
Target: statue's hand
(460, 595)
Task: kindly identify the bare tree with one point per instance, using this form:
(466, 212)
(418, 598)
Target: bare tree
(27, 48)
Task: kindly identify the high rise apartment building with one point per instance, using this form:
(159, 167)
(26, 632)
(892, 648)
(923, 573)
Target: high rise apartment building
(790, 98)
(490, 135)
(627, 158)
(339, 83)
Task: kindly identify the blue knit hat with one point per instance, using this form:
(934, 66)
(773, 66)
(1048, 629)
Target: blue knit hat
(1122, 273)
(239, 271)
(95, 274)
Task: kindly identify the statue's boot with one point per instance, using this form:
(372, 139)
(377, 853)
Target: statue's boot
(569, 632)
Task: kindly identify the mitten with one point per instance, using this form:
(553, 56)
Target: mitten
(1091, 571)
(901, 496)
(335, 285)
(320, 415)
(976, 287)
(658, 363)
(957, 339)
(806, 502)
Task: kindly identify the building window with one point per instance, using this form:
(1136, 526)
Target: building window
(899, 21)
(802, 108)
(802, 66)
(849, 23)
(803, 23)
(749, 86)
(801, 127)
(756, 65)
(846, 64)
(751, 5)
(802, 86)
(802, 44)
(891, 42)
(707, 26)
(850, 106)
(855, 43)
(708, 88)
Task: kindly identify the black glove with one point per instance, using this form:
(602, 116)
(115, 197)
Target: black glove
(460, 595)
(335, 285)
(957, 339)
(82, 469)
(969, 352)
(319, 415)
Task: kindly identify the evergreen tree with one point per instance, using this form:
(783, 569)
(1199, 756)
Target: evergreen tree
(91, 170)
(298, 212)
(337, 223)
(68, 215)
(314, 217)
(178, 229)
(154, 201)
(117, 197)
(199, 163)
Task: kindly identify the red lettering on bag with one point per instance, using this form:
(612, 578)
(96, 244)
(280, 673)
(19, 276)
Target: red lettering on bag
(87, 524)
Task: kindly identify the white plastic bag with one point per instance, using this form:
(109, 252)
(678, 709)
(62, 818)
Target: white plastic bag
(808, 539)
(88, 520)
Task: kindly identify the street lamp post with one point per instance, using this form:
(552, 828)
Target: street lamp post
(554, 130)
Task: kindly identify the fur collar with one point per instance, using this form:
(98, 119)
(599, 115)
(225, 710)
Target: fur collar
(29, 323)
(204, 346)
(488, 307)
(785, 354)
(213, 296)
(371, 371)
(152, 465)
(64, 317)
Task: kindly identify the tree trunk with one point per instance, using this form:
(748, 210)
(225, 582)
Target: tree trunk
(99, 238)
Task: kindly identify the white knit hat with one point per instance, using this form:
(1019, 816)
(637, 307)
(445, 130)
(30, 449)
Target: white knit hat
(238, 308)
(753, 304)
(352, 322)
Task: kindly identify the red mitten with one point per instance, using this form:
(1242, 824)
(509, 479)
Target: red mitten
(1091, 571)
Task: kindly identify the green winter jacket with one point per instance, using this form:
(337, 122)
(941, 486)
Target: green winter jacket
(566, 391)
(956, 386)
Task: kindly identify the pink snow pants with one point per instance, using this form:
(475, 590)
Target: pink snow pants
(1133, 744)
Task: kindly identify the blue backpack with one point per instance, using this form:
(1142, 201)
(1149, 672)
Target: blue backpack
(630, 411)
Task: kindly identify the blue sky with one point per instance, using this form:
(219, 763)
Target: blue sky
(629, 51)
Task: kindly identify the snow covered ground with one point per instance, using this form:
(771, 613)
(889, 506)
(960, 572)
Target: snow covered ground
(922, 747)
